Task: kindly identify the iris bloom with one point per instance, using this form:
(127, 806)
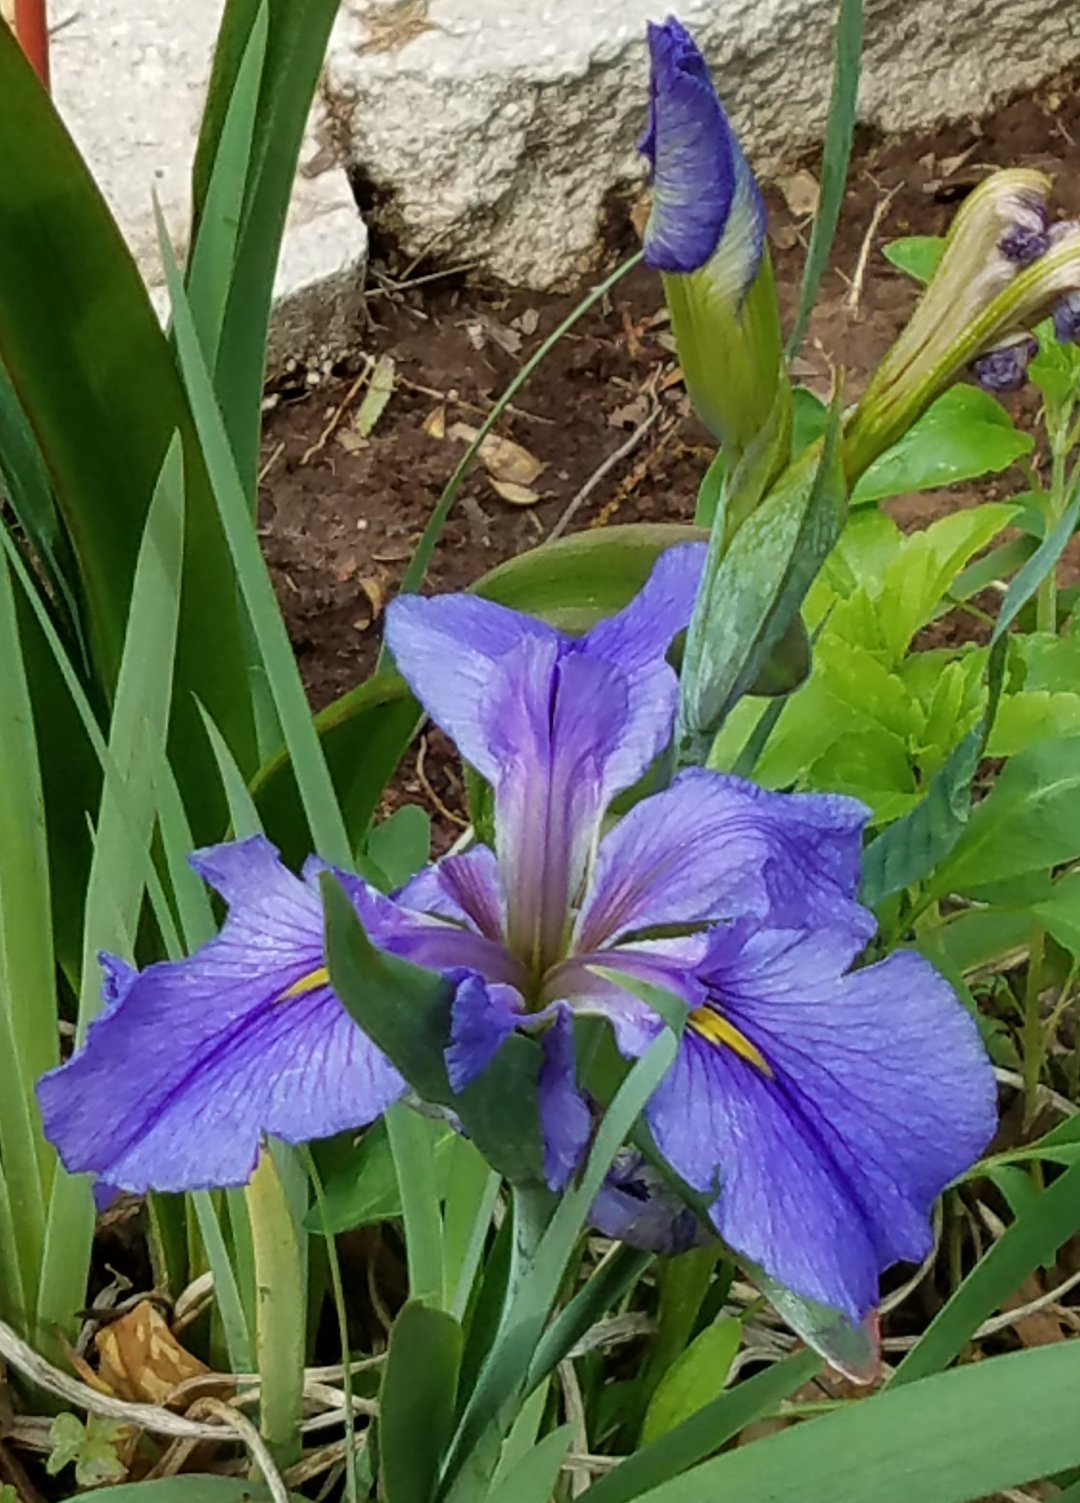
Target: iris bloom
(817, 1109)
(706, 234)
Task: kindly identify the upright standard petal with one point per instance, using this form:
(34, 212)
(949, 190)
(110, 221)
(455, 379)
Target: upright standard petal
(823, 1111)
(195, 1060)
(714, 847)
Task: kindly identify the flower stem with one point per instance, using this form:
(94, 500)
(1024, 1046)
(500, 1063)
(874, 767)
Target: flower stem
(280, 1311)
(1032, 1039)
(1057, 425)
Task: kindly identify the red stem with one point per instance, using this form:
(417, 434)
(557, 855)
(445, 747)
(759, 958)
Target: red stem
(32, 31)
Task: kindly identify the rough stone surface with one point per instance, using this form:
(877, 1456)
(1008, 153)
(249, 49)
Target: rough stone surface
(493, 130)
(129, 80)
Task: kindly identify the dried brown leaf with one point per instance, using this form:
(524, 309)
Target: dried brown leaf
(503, 458)
(141, 1359)
(517, 495)
(434, 424)
(801, 191)
(380, 390)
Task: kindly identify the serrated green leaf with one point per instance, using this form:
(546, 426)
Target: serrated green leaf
(918, 255)
(1029, 820)
(966, 433)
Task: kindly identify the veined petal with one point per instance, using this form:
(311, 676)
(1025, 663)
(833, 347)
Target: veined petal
(464, 889)
(691, 151)
(713, 847)
(565, 1119)
(182, 1075)
(669, 964)
(876, 1093)
(445, 649)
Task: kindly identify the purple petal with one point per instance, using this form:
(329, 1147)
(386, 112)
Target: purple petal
(714, 847)
(636, 1205)
(692, 153)
(182, 1075)
(667, 963)
(1004, 368)
(426, 939)
(565, 1120)
(878, 1094)
(445, 650)
(1067, 317)
(557, 723)
(464, 889)
(481, 1017)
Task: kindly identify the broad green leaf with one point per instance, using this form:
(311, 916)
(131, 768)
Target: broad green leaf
(835, 155)
(1031, 1240)
(913, 1441)
(1061, 912)
(696, 1378)
(919, 577)
(401, 845)
(1031, 716)
(72, 300)
(854, 676)
(966, 433)
(706, 1431)
(533, 1478)
(870, 763)
(1030, 819)
(918, 255)
(417, 1398)
(1055, 370)
(574, 582)
(809, 419)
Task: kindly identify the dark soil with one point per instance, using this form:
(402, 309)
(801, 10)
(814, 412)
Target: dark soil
(341, 514)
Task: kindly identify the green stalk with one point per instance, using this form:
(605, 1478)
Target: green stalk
(352, 1492)
(280, 1312)
(1032, 1036)
(1058, 428)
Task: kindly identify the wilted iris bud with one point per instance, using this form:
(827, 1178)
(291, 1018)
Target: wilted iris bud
(983, 290)
(1004, 368)
(1067, 317)
(706, 234)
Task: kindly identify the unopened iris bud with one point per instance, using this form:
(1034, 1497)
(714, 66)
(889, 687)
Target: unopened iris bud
(1004, 368)
(1002, 268)
(706, 235)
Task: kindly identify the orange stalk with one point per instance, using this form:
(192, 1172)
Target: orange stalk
(32, 31)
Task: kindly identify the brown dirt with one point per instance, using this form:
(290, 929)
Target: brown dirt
(341, 515)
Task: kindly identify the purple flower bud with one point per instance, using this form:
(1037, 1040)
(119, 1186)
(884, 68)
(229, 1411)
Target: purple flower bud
(700, 177)
(1004, 368)
(1067, 317)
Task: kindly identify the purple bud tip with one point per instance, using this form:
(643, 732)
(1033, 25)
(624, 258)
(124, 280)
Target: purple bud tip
(1005, 368)
(691, 150)
(1028, 237)
(1067, 317)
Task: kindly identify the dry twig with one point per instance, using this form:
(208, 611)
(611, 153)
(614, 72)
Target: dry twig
(601, 472)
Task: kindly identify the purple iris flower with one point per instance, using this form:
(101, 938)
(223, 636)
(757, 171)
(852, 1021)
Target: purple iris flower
(700, 177)
(818, 1110)
(1004, 368)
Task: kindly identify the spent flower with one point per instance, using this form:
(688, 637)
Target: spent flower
(815, 1109)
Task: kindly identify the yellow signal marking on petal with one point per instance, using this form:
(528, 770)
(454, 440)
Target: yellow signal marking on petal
(711, 1026)
(318, 977)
